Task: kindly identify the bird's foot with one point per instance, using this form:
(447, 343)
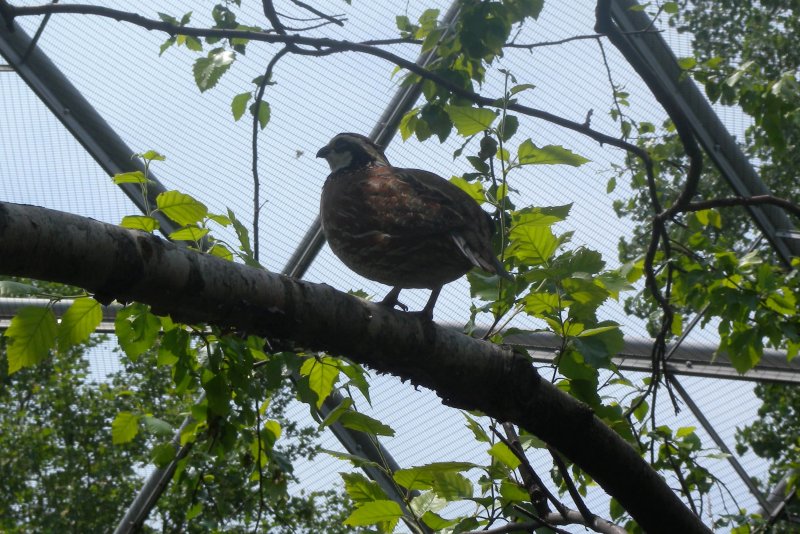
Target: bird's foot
(390, 300)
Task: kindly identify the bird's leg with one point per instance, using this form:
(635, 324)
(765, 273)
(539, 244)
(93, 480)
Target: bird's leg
(427, 311)
(390, 300)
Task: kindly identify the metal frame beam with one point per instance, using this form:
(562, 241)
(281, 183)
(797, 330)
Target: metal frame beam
(711, 133)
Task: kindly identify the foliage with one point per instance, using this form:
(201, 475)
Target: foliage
(236, 386)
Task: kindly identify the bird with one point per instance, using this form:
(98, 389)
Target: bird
(406, 228)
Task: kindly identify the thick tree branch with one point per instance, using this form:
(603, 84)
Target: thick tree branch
(128, 265)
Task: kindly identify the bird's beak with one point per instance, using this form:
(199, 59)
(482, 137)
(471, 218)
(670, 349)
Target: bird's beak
(323, 152)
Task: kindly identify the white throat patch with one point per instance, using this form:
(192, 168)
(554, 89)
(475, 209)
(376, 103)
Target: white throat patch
(338, 160)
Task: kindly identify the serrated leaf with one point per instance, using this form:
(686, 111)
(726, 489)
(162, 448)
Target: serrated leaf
(425, 502)
(361, 489)
(529, 154)
(193, 43)
(469, 121)
(189, 233)
(239, 105)
(452, 486)
(124, 428)
(162, 454)
(78, 322)
(135, 177)
(423, 477)
(136, 329)
(140, 222)
(180, 207)
(208, 70)
(364, 423)
(322, 374)
(31, 335)
(373, 512)
(532, 243)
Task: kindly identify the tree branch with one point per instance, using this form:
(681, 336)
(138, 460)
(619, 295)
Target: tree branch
(744, 201)
(320, 46)
(127, 265)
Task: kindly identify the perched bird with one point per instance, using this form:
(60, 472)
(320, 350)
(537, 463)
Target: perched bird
(406, 228)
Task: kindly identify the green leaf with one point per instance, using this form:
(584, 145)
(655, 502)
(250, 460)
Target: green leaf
(521, 87)
(181, 208)
(124, 428)
(508, 127)
(423, 477)
(136, 329)
(361, 489)
(78, 322)
(502, 453)
(337, 412)
(364, 423)
(158, 426)
(473, 189)
(152, 155)
(140, 222)
(322, 373)
(541, 303)
(436, 522)
(408, 124)
(532, 243)
(189, 233)
(687, 63)
(425, 502)
(594, 331)
(135, 177)
(193, 43)
(208, 70)
(239, 105)
(513, 492)
(685, 431)
(530, 154)
(263, 113)
(452, 486)
(371, 513)
(162, 454)
(469, 121)
(357, 461)
(221, 251)
(31, 335)
(10, 288)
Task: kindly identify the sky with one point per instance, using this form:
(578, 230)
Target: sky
(153, 103)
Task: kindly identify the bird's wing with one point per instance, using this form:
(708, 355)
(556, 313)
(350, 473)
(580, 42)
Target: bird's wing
(418, 202)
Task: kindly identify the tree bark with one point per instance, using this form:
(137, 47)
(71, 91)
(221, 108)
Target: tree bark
(127, 265)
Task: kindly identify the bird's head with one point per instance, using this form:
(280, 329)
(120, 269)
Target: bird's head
(350, 150)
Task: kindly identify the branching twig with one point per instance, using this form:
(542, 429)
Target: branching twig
(320, 46)
(744, 201)
(573, 491)
(256, 182)
(333, 19)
